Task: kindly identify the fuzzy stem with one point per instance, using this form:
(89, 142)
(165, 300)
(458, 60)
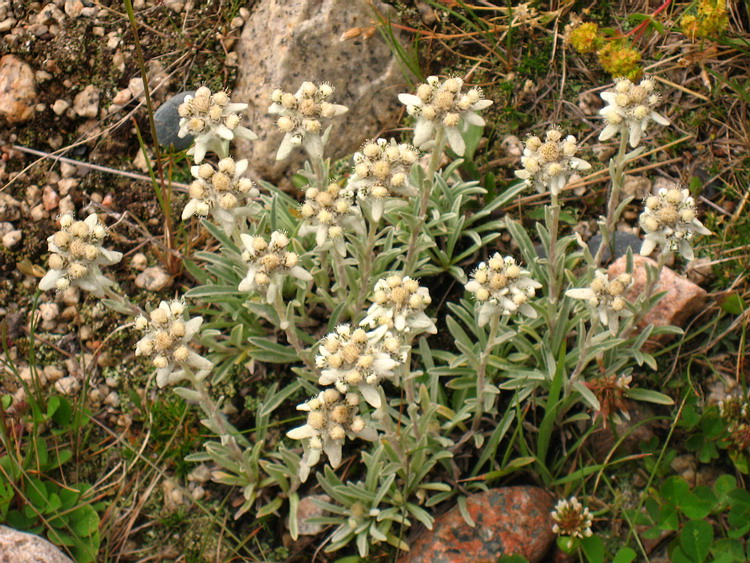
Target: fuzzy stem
(425, 190)
(582, 353)
(618, 181)
(226, 431)
(365, 264)
(552, 251)
(340, 273)
(287, 325)
(482, 372)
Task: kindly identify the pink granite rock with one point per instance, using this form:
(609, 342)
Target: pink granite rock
(508, 521)
(683, 299)
(17, 89)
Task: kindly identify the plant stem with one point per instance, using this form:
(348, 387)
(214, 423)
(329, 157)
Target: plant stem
(340, 274)
(552, 251)
(425, 190)
(365, 264)
(482, 372)
(287, 325)
(618, 181)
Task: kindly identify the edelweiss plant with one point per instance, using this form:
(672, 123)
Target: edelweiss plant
(77, 254)
(537, 343)
(212, 120)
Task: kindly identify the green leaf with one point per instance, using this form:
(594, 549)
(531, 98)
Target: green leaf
(84, 521)
(696, 538)
(733, 304)
(593, 547)
(265, 350)
(624, 555)
(649, 396)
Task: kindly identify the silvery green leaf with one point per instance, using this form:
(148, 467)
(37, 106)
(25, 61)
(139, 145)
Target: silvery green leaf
(649, 396)
(587, 395)
(188, 394)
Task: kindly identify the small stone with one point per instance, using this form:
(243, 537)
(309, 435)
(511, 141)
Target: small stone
(113, 40)
(73, 8)
(67, 170)
(49, 311)
(17, 89)
(53, 373)
(308, 509)
(167, 122)
(12, 238)
(86, 102)
(60, 106)
(237, 22)
(122, 97)
(9, 208)
(508, 521)
(66, 203)
(112, 399)
(7, 24)
(38, 213)
(153, 279)
(139, 261)
(20, 546)
(622, 241)
(135, 87)
(637, 187)
(68, 385)
(683, 298)
(50, 199)
(140, 161)
(55, 141)
(65, 185)
(90, 11)
(175, 5)
(42, 75)
(98, 31)
(604, 153)
(512, 146)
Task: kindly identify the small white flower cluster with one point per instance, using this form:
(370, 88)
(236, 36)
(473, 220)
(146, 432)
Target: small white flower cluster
(332, 416)
(327, 213)
(212, 120)
(502, 287)
(269, 263)
(352, 358)
(381, 170)
(670, 220)
(733, 407)
(572, 519)
(629, 110)
(166, 339)
(399, 304)
(77, 253)
(223, 192)
(607, 297)
(443, 104)
(548, 165)
(300, 117)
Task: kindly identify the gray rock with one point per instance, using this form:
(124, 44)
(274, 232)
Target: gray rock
(622, 241)
(167, 123)
(286, 43)
(18, 546)
(153, 279)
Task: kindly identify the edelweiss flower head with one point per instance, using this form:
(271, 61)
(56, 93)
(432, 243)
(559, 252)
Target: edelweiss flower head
(669, 219)
(212, 120)
(443, 104)
(382, 169)
(352, 358)
(399, 304)
(572, 519)
(549, 164)
(607, 297)
(502, 288)
(269, 263)
(630, 108)
(328, 213)
(221, 192)
(77, 253)
(332, 416)
(301, 117)
(166, 339)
